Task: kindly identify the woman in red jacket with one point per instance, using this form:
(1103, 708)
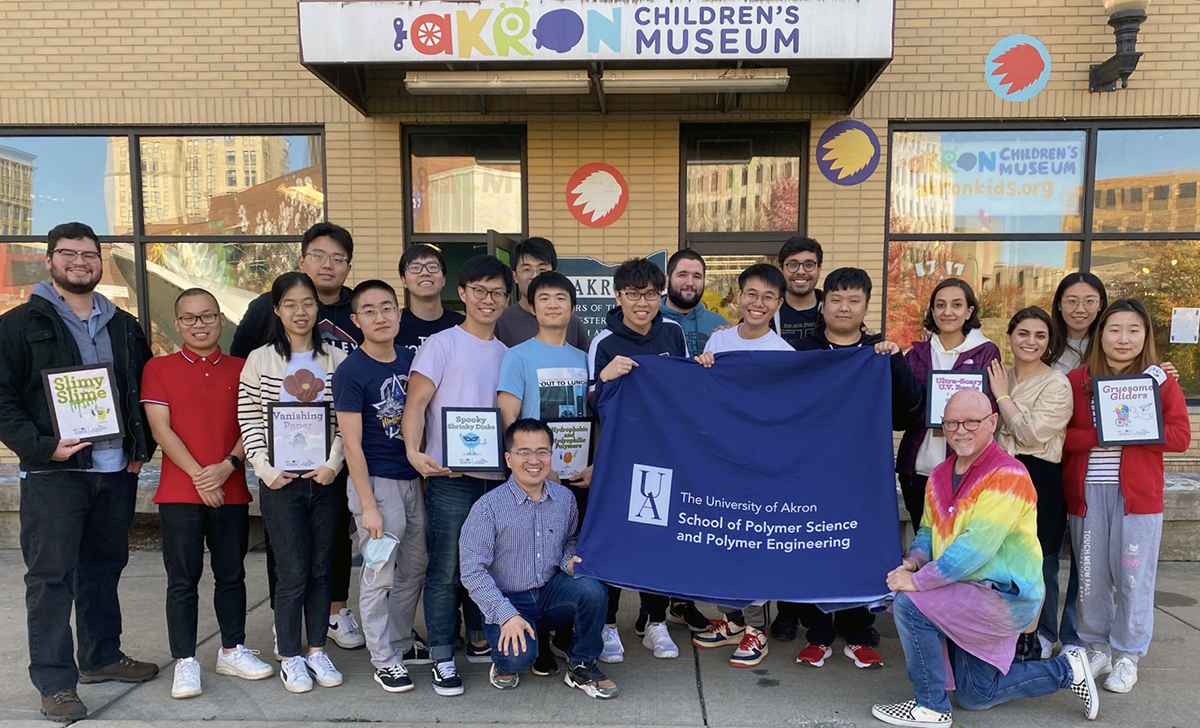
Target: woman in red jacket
(1115, 500)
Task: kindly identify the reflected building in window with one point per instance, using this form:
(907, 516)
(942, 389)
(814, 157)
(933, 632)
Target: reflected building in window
(1165, 201)
(463, 194)
(16, 192)
(761, 193)
(922, 199)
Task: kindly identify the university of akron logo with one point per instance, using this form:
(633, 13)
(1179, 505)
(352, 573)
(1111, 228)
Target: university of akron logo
(650, 495)
(1017, 68)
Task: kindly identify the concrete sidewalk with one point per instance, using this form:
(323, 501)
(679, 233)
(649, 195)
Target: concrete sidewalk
(698, 689)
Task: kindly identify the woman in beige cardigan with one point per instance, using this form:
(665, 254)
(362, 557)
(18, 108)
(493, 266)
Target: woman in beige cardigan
(1035, 406)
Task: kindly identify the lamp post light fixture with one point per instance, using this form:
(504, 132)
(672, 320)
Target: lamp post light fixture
(1125, 17)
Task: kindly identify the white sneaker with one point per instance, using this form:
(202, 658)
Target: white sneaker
(1047, 647)
(343, 630)
(243, 663)
(294, 675)
(613, 650)
(187, 679)
(1123, 677)
(659, 640)
(910, 714)
(1100, 661)
(326, 675)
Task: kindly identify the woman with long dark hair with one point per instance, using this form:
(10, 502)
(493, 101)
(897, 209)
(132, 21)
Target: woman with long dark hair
(1115, 499)
(957, 344)
(1078, 301)
(1034, 400)
(300, 511)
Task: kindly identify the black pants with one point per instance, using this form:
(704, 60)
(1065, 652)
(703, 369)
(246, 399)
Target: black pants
(75, 540)
(1051, 507)
(302, 517)
(339, 583)
(854, 625)
(912, 487)
(186, 528)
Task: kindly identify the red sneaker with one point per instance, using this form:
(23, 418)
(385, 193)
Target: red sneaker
(863, 656)
(814, 654)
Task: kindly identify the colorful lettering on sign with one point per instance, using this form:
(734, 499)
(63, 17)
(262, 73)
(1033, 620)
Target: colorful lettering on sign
(1017, 68)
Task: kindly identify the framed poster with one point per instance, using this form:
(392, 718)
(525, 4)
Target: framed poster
(574, 445)
(83, 403)
(298, 438)
(942, 385)
(1128, 410)
(472, 439)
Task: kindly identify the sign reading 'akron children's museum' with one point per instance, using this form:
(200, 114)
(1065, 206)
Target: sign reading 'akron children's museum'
(593, 30)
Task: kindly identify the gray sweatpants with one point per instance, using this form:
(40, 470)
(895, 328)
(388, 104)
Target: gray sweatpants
(387, 600)
(754, 614)
(1115, 551)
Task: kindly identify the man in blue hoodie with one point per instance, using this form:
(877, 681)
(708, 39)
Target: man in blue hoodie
(685, 288)
(77, 498)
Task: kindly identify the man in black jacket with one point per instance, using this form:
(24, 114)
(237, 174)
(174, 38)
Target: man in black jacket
(847, 299)
(326, 253)
(77, 498)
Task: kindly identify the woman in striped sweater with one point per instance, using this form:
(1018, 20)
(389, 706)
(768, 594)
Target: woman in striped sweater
(299, 510)
(1115, 500)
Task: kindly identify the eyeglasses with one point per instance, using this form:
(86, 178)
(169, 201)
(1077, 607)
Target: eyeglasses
(387, 310)
(968, 425)
(334, 258)
(1087, 304)
(542, 453)
(793, 266)
(493, 294)
(208, 319)
(293, 307)
(635, 296)
(418, 268)
(70, 256)
(767, 298)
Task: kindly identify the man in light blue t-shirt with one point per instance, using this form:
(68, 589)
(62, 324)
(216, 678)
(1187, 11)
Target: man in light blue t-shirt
(545, 378)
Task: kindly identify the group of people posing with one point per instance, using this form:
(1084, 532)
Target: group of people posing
(992, 494)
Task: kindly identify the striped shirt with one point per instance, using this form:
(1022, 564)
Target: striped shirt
(511, 543)
(1104, 466)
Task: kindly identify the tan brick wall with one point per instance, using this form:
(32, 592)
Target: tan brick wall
(220, 62)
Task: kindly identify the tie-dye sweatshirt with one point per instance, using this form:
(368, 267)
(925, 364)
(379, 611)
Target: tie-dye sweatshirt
(986, 533)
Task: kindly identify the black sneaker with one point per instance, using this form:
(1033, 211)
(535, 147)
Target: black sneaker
(545, 664)
(639, 627)
(686, 613)
(445, 678)
(418, 654)
(394, 679)
(587, 677)
(783, 630)
(560, 641)
(479, 655)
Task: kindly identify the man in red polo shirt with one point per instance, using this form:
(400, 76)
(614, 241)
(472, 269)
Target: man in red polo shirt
(191, 405)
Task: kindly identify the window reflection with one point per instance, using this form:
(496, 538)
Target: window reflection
(261, 185)
(45, 181)
(465, 183)
(743, 181)
(23, 266)
(1146, 180)
(235, 273)
(721, 285)
(987, 182)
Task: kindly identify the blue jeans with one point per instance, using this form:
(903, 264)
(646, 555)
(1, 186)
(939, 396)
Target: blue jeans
(562, 600)
(75, 540)
(302, 518)
(447, 503)
(979, 685)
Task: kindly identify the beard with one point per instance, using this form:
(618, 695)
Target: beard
(62, 281)
(680, 299)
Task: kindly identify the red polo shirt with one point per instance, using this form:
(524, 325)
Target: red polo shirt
(202, 393)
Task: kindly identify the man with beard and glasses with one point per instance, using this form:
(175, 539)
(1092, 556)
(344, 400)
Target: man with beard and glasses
(800, 260)
(685, 288)
(77, 498)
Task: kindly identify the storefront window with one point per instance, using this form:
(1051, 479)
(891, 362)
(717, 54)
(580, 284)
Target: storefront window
(987, 182)
(466, 182)
(235, 273)
(23, 266)
(743, 180)
(1146, 180)
(273, 185)
(48, 180)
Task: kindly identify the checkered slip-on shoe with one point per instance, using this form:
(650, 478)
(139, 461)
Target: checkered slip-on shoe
(910, 714)
(1083, 683)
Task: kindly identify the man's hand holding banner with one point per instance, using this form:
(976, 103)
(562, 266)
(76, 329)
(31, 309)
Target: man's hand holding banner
(768, 476)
